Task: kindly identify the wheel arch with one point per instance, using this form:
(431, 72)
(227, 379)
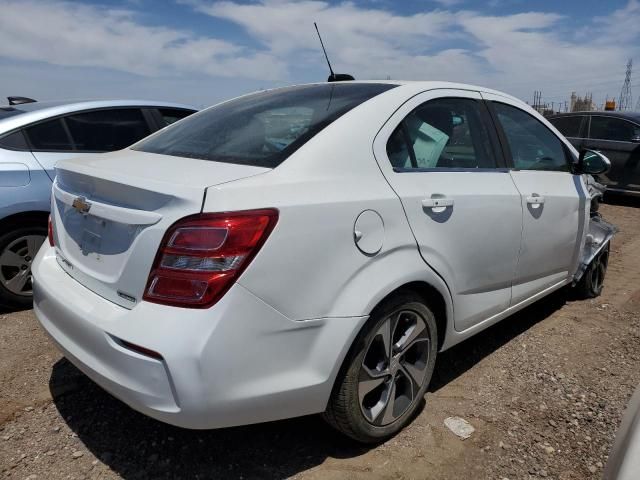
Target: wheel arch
(435, 298)
(32, 217)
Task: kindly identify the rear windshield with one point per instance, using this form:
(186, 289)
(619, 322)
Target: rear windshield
(261, 129)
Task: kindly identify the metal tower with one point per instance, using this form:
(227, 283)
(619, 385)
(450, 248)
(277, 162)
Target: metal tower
(626, 101)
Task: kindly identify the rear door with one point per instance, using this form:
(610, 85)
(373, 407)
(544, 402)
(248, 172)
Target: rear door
(438, 152)
(615, 138)
(553, 199)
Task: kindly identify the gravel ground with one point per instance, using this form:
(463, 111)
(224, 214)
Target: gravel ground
(545, 391)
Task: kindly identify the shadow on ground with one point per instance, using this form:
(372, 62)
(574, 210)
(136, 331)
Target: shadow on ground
(135, 446)
(5, 310)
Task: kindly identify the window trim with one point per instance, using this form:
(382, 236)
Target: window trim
(607, 139)
(570, 161)
(485, 118)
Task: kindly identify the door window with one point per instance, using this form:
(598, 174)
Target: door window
(49, 136)
(616, 129)
(568, 126)
(442, 133)
(172, 115)
(533, 146)
(107, 130)
(14, 141)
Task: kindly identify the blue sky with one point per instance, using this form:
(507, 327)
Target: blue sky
(203, 51)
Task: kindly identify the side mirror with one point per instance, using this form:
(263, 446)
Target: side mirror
(593, 162)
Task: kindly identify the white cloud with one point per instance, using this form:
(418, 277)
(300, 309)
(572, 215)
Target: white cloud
(517, 53)
(64, 33)
(449, 3)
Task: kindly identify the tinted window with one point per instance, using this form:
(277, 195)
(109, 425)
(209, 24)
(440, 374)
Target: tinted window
(443, 133)
(14, 141)
(107, 130)
(49, 135)
(568, 126)
(262, 129)
(607, 128)
(533, 146)
(172, 115)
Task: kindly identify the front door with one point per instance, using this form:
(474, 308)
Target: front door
(553, 200)
(439, 153)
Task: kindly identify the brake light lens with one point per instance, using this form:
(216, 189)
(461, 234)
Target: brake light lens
(201, 256)
(50, 233)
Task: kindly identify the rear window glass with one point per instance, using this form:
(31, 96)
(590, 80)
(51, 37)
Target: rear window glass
(261, 129)
(568, 126)
(172, 115)
(14, 141)
(615, 129)
(107, 130)
(49, 136)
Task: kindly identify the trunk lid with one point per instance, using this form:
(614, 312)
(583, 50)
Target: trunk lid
(111, 211)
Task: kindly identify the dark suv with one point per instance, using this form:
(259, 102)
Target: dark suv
(616, 134)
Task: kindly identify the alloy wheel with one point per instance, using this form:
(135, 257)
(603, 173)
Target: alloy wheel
(598, 270)
(394, 367)
(15, 264)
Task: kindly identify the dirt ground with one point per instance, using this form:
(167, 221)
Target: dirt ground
(545, 391)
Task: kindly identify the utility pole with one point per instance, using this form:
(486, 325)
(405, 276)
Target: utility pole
(625, 100)
(537, 100)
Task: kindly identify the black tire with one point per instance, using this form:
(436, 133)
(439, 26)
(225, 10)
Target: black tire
(344, 411)
(11, 241)
(592, 282)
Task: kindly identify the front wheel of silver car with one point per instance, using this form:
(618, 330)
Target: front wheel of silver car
(18, 249)
(387, 371)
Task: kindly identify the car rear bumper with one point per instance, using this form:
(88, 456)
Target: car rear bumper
(237, 363)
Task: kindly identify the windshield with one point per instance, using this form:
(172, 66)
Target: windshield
(261, 129)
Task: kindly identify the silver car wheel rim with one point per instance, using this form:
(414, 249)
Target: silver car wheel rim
(15, 264)
(599, 270)
(394, 368)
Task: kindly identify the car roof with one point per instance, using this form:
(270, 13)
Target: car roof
(422, 85)
(633, 116)
(36, 111)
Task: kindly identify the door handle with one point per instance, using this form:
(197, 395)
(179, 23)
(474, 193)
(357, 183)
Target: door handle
(535, 199)
(437, 202)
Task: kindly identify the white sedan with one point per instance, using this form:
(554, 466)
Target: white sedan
(311, 249)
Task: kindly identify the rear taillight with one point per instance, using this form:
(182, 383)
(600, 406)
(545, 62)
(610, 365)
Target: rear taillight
(50, 233)
(201, 256)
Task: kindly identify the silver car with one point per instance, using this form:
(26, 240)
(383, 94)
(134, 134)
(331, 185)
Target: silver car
(34, 136)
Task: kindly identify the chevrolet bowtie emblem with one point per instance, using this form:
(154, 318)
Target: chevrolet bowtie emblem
(81, 205)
